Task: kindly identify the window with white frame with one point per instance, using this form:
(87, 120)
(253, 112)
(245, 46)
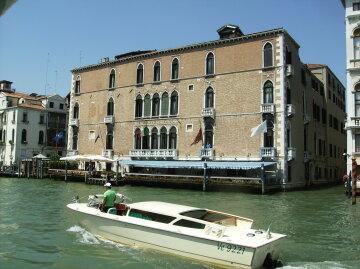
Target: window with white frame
(357, 44)
(112, 79)
(268, 55)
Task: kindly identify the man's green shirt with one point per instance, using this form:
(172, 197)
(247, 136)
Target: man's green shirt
(110, 197)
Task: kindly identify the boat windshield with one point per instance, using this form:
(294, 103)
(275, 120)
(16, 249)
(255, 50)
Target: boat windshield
(210, 216)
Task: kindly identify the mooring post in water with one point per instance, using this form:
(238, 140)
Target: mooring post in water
(353, 167)
(348, 185)
(262, 179)
(65, 171)
(204, 181)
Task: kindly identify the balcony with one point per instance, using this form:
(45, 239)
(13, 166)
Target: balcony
(291, 153)
(207, 153)
(290, 110)
(267, 108)
(208, 112)
(72, 152)
(267, 152)
(74, 122)
(108, 153)
(109, 119)
(307, 156)
(354, 122)
(154, 153)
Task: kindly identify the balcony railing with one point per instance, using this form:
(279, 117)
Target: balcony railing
(290, 110)
(109, 119)
(108, 153)
(267, 152)
(74, 122)
(208, 112)
(291, 153)
(354, 122)
(207, 153)
(153, 153)
(267, 108)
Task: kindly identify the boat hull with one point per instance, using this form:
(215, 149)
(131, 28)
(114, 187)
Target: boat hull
(208, 250)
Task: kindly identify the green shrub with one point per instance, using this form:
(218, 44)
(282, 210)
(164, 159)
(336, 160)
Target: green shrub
(61, 165)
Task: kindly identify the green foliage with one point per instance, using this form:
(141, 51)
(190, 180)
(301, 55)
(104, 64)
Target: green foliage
(54, 157)
(61, 165)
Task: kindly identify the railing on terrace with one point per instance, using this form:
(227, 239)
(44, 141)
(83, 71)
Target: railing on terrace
(267, 152)
(208, 153)
(154, 153)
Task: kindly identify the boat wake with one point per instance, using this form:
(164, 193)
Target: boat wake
(317, 265)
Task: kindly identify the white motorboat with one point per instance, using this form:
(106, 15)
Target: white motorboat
(196, 233)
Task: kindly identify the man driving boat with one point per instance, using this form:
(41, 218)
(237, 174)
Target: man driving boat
(109, 198)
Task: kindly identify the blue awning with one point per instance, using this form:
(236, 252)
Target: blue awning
(196, 164)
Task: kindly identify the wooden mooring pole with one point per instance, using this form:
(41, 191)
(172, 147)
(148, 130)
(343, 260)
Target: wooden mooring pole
(204, 181)
(353, 167)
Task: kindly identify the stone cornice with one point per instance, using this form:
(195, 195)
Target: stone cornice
(185, 48)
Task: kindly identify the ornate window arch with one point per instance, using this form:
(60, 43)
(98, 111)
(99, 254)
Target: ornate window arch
(175, 69)
(356, 43)
(75, 138)
(209, 97)
(112, 79)
(163, 138)
(137, 138)
(268, 92)
(172, 138)
(77, 84)
(155, 105)
(174, 99)
(154, 138)
(209, 135)
(76, 111)
(109, 137)
(210, 64)
(110, 107)
(147, 105)
(138, 106)
(140, 74)
(157, 71)
(165, 104)
(268, 55)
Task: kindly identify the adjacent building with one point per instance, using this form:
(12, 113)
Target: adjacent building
(29, 125)
(241, 98)
(352, 20)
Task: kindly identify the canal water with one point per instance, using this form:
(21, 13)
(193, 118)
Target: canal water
(38, 231)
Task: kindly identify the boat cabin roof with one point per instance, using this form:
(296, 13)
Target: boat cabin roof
(163, 207)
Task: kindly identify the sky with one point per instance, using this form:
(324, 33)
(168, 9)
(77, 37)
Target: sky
(41, 41)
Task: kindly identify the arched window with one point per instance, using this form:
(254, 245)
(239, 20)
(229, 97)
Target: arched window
(137, 139)
(147, 105)
(175, 69)
(209, 97)
(41, 137)
(165, 104)
(357, 44)
(209, 136)
(357, 100)
(210, 64)
(109, 137)
(146, 140)
(155, 105)
(268, 55)
(110, 107)
(157, 71)
(140, 74)
(138, 106)
(174, 103)
(163, 138)
(76, 111)
(154, 138)
(172, 138)
(268, 93)
(269, 135)
(77, 84)
(112, 79)
(75, 138)
(23, 136)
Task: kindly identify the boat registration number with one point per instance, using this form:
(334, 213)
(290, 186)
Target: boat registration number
(231, 248)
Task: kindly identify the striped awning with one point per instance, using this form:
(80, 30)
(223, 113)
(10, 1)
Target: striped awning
(197, 164)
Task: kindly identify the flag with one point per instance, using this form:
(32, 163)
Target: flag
(260, 129)
(198, 138)
(139, 134)
(96, 139)
(59, 136)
